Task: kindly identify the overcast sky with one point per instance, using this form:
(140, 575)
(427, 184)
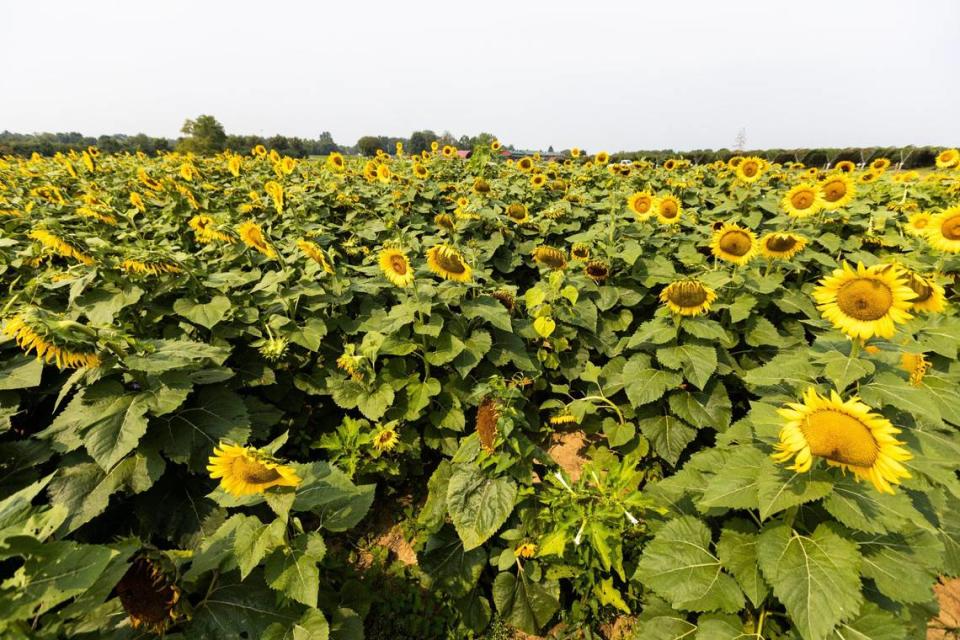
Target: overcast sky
(599, 74)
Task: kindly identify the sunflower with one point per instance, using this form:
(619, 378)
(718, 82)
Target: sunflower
(734, 244)
(782, 245)
(448, 151)
(384, 175)
(847, 434)
(550, 257)
(944, 230)
(880, 164)
(845, 166)
(580, 251)
(802, 200)
(137, 201)
(837, 191)
(597, 270)
(350, 362)
(505, 298)
(916, 365)
(734, 162)
(864, 302)
(602, 158)
(386, 438)
(750, 169)
(336, 162)
(518, 213)
(525, 550)
(245, 471)
(448, 263)
(370, 170)
(495, 145)
(205, 231)
(275, 191)
(525, 164)
(252, 236)
(930, 295)
(670, 164)
(60, 246)
(948, 159)
(259, 151)
(481, 186)
(688, 297)
(668, 209)
(55, 341)
(918, 223)
(562, 418)
(420, 171)
(315, 253)
(150, 267)
(148, 595)
(641, 204)
(488, 415)
(444, 221)
(869, 176)
(575, 152)
(537, 181)
(396, 266)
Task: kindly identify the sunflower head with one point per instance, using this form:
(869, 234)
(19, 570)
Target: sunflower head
(396, 267)
(734, 244)
(488, 414)
(55, 340)
(782, 245)
(315, 253)
(641, 204)
(869, 176)
(597, 270)
(688, 297)
(750, 169)
(336, 162)
(930, 296)
(580, 251)
(148, 593)
(802, 200)
(880, 164)
(386, 437)
(602, 158)
(537, 181)
(847, 434)
(525, 550)
(944, 230)
(525, 163)
(245, 471)
(837, 191)
(575, 152)
(252, 235)
(864, 302)
(916, 365)
(550, 257)
(448, 263)
(444, 221)
(518, 213)
(948, 159)
(420, 171)
(495, 145)
(668, 209)
(918, 223)
(845, 166)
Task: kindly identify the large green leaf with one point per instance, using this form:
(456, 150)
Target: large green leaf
(523, 604)
(478, 505)
(328, 492)
(697, 361)
(20, 372)
(668, 435)
(293, 571)
(452, 568)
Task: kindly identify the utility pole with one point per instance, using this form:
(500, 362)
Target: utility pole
(741, 142)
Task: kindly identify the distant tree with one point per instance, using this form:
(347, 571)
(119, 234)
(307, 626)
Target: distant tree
(325, 145)
(368, 145)
(550, 149)
(205, 135)
(420, 140)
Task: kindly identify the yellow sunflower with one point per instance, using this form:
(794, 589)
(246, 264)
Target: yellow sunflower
(734, 244)
(837, 191)
(575, 152)
(386, 438)
(642, 204)
(782, 245)
(670, 164)
(948, 159)
(420, 171)
(688, 297)
(930, 295)
(668, 209)
(336, 162)
(863, 302)
(602, 158)
(550, 257)
(580, 251)
(396, 266)
(734, 162)
(869, 176)
(315, 253)
(518, 213)
(525, 550)
(918, 223)
(481, 186)
(845, 166)
(55, 341)
(847, 434)
(880, 164)
(916, 365)
(446, 262)
(525, 163)
(204, 228)
(252, 236)
(245, 471)
(802, 200)
(275, 191)
(597, 270)
(384, 174)
(495, 145)
(537, 181)
(445, 221)
(149, 268)
(448, 151)
(944, 230)
(750, 169)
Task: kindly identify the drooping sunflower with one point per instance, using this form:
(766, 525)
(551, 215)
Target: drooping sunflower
(864, 302)
(734, 244)
(148, 267)
(148, 594)
(336, 162)
(60, 246)
(481, 186)
(56, 341)
(315, 253)
(550, 257)
(488, 415)
(688, 297)
(837, 191)
(845, 166)
(847, 434)
(597, 270)
(668, 209)
(245, 471)
(445, 221)
(750, 169)
(916, 365)
(580, 251)
(930, 295)
(782, 245)
(642, 204)
(948, 159)
(386, 438)
(944, 230)
(252, 235)
(518, 213)
(396, 267)
(918, 223)
(562, 418)
(448, 263)
(137, 201)
(204, 228)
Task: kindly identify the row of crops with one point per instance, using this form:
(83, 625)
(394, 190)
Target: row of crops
(248, 396)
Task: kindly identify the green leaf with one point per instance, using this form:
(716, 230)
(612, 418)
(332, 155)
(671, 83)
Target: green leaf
(703, 409)
(489, 309)
(735, 484)
(617, 433)
(373, 405)
(452, 568)
(293, 571)
(239, 611)
(890, 389)
(816, 577)
(418, 396)
(475, 347)
(792, 368)
(253, 540)
(328, 492)
(526, 605)
(872, 623)
(646, 384)
(117, 428)
(166, 355)
(737, 550)
(697, 361)
(310, 335)
(609, 596)
(778, 488)
(447, 347)
(20, 372)
(860, 506)
(206, 315)
(678, 565)
(311, 626)
(668, 435)
(844, 370)
(478, 505)
(903, 566)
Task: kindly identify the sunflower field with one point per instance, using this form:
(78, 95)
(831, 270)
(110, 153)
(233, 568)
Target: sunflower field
(247, 396)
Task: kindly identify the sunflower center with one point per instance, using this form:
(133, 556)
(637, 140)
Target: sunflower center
(398, 264)
(253, 472)
(450, 262)
(596, 271)
(836, 436)
(749, 169)
(668, 209)
(921, 223)
(687, 294)
(834, 190)
(802, 199)
(735, 242)
(865, 299)
(951, 228)
(517, 212)
(781, 243)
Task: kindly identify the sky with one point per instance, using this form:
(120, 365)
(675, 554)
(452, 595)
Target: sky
(598, 74)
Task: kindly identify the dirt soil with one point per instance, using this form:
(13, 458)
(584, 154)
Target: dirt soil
(946, 626)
